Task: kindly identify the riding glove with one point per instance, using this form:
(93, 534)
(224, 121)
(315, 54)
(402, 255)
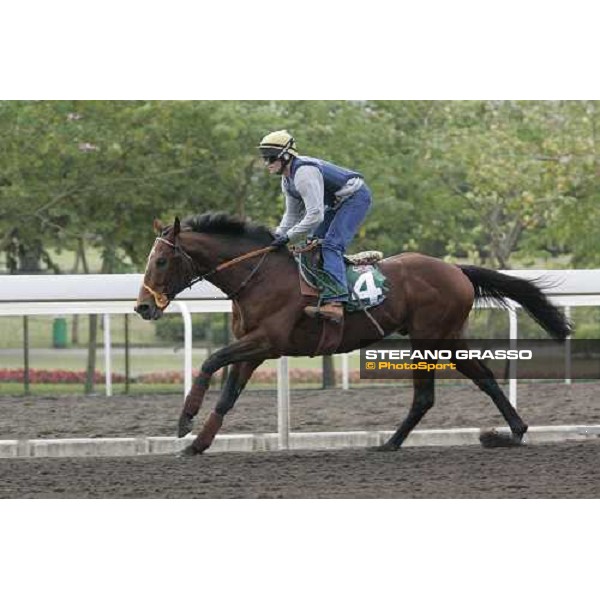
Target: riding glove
(280, 240)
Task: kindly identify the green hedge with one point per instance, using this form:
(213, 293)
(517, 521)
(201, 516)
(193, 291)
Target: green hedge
(209, 328)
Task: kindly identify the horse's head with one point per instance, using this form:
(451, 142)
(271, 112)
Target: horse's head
(216, 241)
(169, 270)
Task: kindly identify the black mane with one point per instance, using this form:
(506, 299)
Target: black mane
(225, 224)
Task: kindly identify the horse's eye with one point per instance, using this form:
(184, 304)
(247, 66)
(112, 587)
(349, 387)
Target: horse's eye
(161, 262)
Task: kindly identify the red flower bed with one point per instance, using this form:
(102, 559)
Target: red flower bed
(264, 376)
(54, 376)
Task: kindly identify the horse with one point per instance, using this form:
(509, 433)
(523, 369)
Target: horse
(427, 299)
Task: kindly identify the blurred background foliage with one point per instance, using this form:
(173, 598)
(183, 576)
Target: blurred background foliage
(504, 184)
(499, 183)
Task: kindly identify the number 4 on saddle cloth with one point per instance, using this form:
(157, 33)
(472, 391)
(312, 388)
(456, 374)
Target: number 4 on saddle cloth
(367, 286)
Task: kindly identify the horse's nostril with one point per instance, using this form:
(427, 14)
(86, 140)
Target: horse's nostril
(142, 309)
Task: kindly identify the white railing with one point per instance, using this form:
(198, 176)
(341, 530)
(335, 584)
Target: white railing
(105, 295)
(22, 295)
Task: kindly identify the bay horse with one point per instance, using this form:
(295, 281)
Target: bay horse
(428, 299)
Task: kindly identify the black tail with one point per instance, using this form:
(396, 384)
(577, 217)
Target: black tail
(497, 287)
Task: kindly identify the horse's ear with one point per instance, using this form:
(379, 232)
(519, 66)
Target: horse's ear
(158, 226)
(176, 227)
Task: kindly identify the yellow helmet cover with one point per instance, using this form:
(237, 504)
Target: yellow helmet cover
(277, 143)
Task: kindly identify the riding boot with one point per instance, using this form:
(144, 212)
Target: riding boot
(332, 311)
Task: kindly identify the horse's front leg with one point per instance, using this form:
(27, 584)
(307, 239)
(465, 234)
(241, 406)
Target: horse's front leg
(236, 381)
(193, 402)
(250, 348)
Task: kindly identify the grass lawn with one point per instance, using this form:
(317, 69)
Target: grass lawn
(135, 389)
(40, 330)
(141, 360)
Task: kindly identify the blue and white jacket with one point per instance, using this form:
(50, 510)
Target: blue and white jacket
(313, 185)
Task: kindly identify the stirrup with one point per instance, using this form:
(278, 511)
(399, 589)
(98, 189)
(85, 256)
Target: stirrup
(318, 311)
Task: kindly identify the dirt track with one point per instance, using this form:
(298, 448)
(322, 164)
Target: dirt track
(458, 405)
(567, 470)
(561, 470)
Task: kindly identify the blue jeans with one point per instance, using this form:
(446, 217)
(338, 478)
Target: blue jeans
(337, 231)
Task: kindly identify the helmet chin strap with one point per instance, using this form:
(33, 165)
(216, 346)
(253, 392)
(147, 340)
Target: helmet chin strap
(284, 156)
(284, 163)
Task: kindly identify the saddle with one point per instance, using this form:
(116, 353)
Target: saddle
(367, 287)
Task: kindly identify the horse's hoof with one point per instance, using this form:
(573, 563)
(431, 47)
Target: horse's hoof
(188, 451)
(387, 447)
(491, 438)
(185, 425)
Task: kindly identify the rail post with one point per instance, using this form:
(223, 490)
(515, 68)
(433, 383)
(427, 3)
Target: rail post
(107, 356)
(187, 347)
(568, 379)
(512, 368)
(345, 372)
(283, 403)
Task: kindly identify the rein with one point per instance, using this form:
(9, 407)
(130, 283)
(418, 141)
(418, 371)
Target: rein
(238, 259)
(162, 300)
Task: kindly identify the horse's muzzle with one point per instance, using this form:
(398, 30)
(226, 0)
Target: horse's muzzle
(148, 311)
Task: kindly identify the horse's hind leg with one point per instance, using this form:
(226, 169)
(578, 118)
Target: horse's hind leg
(423, 399)
(475, 370)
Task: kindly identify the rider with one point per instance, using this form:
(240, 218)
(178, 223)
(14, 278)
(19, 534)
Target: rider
(322, 200)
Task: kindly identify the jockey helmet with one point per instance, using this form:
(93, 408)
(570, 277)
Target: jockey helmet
(278, 145)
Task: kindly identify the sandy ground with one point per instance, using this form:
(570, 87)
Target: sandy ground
(457, 405)
(567, 470)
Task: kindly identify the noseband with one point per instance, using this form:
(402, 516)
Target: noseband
(162, 300)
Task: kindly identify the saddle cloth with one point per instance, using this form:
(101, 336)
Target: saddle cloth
(367, 285)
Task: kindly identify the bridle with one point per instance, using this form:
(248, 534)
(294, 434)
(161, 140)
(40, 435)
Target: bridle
(162, 300)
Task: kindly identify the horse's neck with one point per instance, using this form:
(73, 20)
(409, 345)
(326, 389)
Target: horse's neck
(231, 276)
(258, 275)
